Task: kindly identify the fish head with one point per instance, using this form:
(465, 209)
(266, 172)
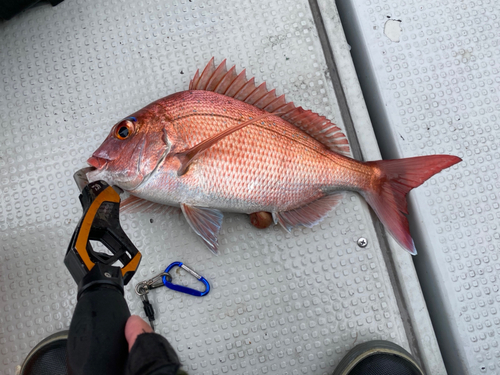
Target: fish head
(130, 153)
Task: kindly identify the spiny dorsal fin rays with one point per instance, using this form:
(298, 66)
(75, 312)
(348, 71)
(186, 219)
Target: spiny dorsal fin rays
(186, 157)
(227, 82)
(206, 75)
(194, 81)
(257, 94)
(237, 84)
(217, 77)
(247, 89)
(278, 102)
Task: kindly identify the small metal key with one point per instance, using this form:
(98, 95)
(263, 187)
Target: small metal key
(148, 308)
(143, 288)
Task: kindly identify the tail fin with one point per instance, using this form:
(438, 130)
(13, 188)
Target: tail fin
(397, 178)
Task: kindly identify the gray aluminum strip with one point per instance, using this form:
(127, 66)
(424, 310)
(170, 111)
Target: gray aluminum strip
(430, 73)
(280, 303)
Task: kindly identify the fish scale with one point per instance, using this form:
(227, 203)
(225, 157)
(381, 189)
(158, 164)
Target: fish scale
(267, 154)
(212, 151)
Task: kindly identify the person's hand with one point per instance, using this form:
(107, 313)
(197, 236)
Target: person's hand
(134, 327)
(149, 352)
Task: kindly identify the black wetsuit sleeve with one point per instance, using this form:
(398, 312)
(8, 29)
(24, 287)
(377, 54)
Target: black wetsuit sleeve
(152, 354)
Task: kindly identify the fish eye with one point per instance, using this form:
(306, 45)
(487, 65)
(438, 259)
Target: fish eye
(123, 132)
(124, 129)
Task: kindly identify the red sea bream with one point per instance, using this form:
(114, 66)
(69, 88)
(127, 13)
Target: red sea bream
(227, 145)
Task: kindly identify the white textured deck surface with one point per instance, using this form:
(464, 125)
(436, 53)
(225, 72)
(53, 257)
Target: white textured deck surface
(430, 72)
(280, 303)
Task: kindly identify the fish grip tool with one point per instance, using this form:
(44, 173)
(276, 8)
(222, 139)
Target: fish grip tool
(100, 222)
(96, 339)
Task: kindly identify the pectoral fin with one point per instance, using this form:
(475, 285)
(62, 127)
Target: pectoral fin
(206, 222)
(186, 157)
(133, 204)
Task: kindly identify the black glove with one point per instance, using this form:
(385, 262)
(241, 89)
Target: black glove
(152, 354)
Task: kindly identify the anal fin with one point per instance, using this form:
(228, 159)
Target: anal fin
(310, 214)
(206, 222)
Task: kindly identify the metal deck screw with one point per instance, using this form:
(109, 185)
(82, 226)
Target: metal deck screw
(362, 242)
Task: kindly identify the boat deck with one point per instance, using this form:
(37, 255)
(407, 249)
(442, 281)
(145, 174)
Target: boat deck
(287, 303)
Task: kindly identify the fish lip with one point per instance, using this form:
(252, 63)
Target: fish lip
(96, 162)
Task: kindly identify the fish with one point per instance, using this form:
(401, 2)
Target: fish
(229, 145)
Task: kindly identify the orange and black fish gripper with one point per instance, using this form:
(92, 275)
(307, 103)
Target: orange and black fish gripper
(100, 222)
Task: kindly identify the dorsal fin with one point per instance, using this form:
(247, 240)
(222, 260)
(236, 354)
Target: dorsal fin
(229, 83)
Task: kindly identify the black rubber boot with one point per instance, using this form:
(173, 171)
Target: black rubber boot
(378, 358)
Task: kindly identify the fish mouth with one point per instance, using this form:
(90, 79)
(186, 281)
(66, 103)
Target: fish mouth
(96, 162)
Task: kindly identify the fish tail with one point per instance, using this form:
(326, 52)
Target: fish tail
(395, 179)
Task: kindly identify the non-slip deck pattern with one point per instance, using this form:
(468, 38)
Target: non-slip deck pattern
(431, 79)
(279, 303)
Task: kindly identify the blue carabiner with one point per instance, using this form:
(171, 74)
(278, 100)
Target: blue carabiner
(185, 289)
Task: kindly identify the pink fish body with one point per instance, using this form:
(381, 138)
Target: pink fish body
(227, 145)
